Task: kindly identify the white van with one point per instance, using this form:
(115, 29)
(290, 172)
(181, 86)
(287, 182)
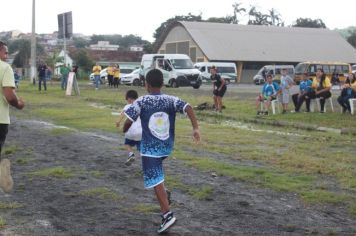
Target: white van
(275, 70)
(226, 70)
(177, 69)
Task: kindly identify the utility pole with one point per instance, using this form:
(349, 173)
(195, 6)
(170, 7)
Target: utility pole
(33, 43)
(64, 40)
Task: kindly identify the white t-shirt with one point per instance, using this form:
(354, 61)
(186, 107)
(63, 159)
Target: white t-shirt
(135, 131)
(6, 80)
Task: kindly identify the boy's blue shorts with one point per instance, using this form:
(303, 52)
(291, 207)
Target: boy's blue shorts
(133, 143)
(153, 173)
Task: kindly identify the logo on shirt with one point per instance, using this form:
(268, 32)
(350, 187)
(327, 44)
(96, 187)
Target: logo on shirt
(159, 125)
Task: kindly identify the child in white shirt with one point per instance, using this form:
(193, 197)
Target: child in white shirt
(134, 134)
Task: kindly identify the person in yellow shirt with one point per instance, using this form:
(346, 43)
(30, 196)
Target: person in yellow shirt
(321, 87)
(110, 71)
(96, 71)
(116, 76)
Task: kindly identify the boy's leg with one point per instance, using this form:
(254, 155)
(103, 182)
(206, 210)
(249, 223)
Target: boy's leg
(129, 144)
(162, 198)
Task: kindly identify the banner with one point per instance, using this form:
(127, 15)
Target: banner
(72, 83)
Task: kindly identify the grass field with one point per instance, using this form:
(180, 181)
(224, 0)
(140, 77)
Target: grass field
(319, 166)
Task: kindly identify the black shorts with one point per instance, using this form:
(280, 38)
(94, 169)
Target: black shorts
(220, 93)
(3, 132)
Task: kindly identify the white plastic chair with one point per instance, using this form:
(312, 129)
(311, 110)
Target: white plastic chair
(317, 102)
(351, 101)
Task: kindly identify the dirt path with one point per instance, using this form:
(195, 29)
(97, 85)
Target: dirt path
(64, 206)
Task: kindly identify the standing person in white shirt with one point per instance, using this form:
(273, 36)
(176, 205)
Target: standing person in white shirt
(134, 134)
(286, 83)
(7, 97)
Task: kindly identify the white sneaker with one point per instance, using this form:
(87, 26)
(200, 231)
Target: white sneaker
(6, 181)
(130, 159)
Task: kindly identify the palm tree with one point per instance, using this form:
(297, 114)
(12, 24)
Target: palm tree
(237, 11)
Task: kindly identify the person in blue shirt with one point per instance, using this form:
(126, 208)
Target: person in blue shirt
(304, 88)
(269, 92)
(157, 112)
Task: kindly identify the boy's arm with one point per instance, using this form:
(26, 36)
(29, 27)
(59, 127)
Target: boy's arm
(121, 117)
(127, 125)
(193, 120)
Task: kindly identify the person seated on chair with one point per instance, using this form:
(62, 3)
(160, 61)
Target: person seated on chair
(321, 87)
(348, 91)
(304, 88)
(268, 93)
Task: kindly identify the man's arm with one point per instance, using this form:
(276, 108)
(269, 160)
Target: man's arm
(193, 120)
(11, 98)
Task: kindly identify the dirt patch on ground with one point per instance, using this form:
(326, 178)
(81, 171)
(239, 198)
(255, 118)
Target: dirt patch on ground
(101, 196)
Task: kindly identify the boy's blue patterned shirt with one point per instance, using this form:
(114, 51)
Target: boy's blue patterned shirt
(157, 113)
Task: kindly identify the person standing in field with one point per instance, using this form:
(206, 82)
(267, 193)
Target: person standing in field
(96, 71)
(158, 112)
(42, 72)
(219, 89)
(7, 97)
(286, 83)
(116, 76)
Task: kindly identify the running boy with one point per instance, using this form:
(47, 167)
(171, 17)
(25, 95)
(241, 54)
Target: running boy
(157, 112)
(134, 134)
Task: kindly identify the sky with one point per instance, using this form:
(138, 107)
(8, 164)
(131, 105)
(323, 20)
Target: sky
(143, 17)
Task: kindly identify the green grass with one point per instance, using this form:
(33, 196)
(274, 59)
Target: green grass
(57, 172)
(353, 210)
(60, 131)
(10, 205)
(2, 223)
(11, 149)
(200, 193)
(271, 152)
(145, 208)
(101, 193)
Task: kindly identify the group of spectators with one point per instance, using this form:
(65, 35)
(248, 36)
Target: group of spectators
(113, 75)
(318, 88)
(45, 73)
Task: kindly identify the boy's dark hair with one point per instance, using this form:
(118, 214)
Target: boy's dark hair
(131, 94)
(154, 78)
(2, 44)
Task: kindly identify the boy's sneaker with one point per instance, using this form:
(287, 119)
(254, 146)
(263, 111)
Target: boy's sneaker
(167, 222)
(6, 182)
(130, 159)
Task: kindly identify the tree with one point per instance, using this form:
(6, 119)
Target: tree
(275, 18)
(257, 18)
(80, 42)
(82, 60)
(237, 11)
(219, 19)
(164, 26)
(352, 38)
(23, 47)
(309, 23)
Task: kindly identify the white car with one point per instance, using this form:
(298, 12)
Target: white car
(131, 79)
(353, 69)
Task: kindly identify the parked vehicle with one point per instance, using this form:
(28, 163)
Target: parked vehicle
(132, 78)
(354, 69)
(335, 71)
(275, 70)
(226, 70)
(177, 69)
